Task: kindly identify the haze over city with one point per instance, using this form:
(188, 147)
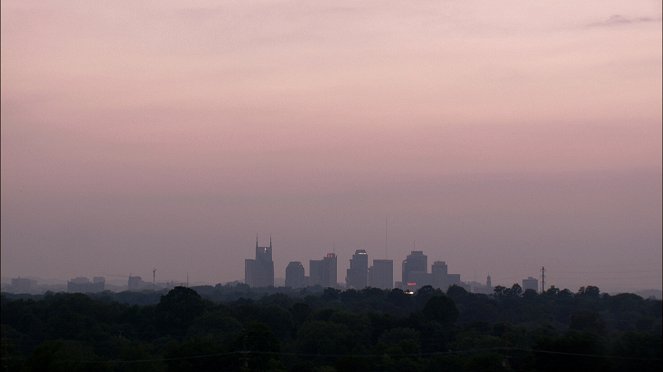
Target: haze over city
(498, 136)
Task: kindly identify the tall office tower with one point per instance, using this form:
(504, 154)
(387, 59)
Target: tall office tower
(294, 275)
(259, 272)
(439, 272)
(489, 282)
(381, 274)
(357, 274)
(416, 261)
(323, 272)
(315, 272)
(531, 283)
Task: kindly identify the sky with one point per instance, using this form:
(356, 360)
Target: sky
(498, 136)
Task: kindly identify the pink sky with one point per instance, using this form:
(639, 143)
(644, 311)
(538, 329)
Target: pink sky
(501, 136)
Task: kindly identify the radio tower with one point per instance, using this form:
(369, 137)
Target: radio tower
(543, 279)
(154, 278)
(386, 237)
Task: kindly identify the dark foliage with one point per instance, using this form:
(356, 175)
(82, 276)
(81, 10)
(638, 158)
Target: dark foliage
(238, 328)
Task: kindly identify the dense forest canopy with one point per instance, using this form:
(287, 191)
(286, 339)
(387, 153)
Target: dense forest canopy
(238, 328)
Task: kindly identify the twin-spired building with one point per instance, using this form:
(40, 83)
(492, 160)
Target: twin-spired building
(259, 272)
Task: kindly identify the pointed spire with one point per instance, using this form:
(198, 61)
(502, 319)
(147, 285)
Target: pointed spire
(256, 240)
(270, 241)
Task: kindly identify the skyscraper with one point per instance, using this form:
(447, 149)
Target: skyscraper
(439, 272)
(294, 275)
(416, 261)
(381, 274)
(357, 274)
(323, 272)
(259, 272)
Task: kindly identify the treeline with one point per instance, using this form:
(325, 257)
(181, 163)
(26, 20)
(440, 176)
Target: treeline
(327, 330)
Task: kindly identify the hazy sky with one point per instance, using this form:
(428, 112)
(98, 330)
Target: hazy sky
(502, 136)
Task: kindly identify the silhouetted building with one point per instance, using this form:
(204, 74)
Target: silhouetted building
(531, 283)
(418, 279)
(84, 285)
(439, 273)
(136, 283)
(454, 279)
(22, 285)
(315, 272)
(259, 272)
(323, 272)
(416, 261)
(357, 274)
(483, 288)
(381, 274)
(294, 275)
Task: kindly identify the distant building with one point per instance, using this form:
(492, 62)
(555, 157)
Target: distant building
(531, 283)
(440, 273)
(136, 283)
(483, 288)
(381, 274)
(84, 285)
(99, 282)
(454, 279)
(357, 274)
(416, 261)
(279, 282)
(418, 279)
(294, 275)
(259, 272)
(22, 285)
(323, 272)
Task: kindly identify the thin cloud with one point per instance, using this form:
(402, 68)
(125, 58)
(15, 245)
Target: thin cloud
(619, 20)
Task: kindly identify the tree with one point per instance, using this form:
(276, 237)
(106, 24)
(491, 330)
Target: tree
(177, 310)
(300, 312)
(552, 291)
(515, 290)
(64, 356)
(322, 337)
(589, 321)
(456, 292)
(530, 294)
(589, 291)
(441, 309)
(399, 341)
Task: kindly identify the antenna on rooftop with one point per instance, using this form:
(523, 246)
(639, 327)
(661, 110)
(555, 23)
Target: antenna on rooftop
(386, 236)
(543, 279)
(154, 278)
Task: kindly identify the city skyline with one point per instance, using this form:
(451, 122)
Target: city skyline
(279, 271)
(500, 136)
